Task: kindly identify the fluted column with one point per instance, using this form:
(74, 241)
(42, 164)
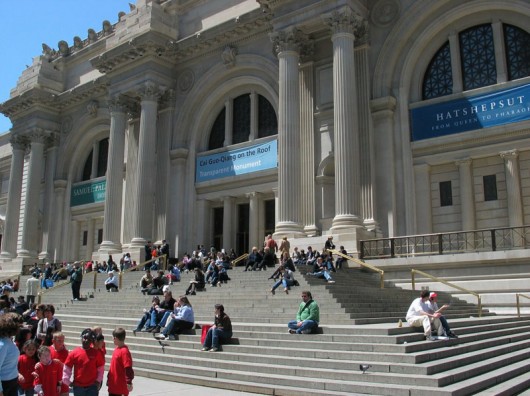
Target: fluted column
(14, 193)
(114, 189)
(58, 245)
(143, 213)
(131, 172)
(307, 149)
(90, 238)
(74, 240)
(48, 213)
(345, 118)
(467, 196)
(513, 187)
(179, 228)
(163, 142)
(383, 124)
(287, 44)
(29, 243)
(253, 116)
(253, 232)
(422, 181)
(228, 223)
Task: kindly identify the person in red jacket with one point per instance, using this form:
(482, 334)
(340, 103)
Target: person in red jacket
(121, 374)
(59, 352)
(88, 366)
(26, 365)
(48, 374)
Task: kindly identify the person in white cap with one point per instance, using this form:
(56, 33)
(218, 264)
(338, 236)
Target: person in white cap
(111, 283)
(419, 315)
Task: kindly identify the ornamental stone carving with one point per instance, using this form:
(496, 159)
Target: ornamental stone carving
(92, 36)
(107, 28)
(117, 104)
(66, 125)
(38, 135)
(64, 49)
(78, 43)
(19, 142)
(228, 56)
(186, 80)
(150, 91)
(291, 39)
(92, 108)
(385, 12)
(344, 21)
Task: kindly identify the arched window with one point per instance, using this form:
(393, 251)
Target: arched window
(241, 110)
(100, 167)
(476, 46)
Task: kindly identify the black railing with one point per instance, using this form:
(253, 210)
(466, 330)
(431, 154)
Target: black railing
(488, 240)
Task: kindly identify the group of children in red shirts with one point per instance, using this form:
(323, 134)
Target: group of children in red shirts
(47, 371)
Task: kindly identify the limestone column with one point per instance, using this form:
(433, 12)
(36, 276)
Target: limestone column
(58, 246)
(253, 116)
(345, 118)
(513, 187)
(91, 237)
(385, 197)
(131, 172)
(29, 243)
(95, 157)
(229, 121)
(114, 189)
(74, 240)
(48, 213)
(287, 44)
(145, 186)
(163, 142)
(422, 174)
(456, 59)
(467, 196)
(307, 149)
(14, 193)
(253, 232)
(178, 227)
(228, 223)
(203, 224)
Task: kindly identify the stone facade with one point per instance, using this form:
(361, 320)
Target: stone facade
(138, 104)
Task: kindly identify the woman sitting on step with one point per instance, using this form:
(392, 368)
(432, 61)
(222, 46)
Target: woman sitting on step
(220, 332)
(197, 284)
(181, 319)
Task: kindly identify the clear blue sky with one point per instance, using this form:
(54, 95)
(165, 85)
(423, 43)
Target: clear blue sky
(26, 24)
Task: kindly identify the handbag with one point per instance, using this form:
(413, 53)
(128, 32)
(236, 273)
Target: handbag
(204, 332)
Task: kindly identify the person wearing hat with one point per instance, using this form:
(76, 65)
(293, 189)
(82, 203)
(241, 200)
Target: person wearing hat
(111, 283)
(433, 305)
(87, 364)
(419, 314)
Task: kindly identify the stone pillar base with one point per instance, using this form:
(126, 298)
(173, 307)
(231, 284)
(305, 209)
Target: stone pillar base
(26, 254)
(288, 229)
(311, 230)
(345, 222)
(109, 247)
(137, 242)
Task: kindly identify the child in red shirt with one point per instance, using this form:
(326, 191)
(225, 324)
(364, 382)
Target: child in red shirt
(48, 374)
(26, 365)
(121, 374)
(59, 352)
(87, 364)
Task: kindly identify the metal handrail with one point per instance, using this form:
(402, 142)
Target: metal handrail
(517, 296)
(244, 256)
(362, 264)
(436, 279)
(55, 286)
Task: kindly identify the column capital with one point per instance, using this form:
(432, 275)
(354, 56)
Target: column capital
(168, 99)
(345, 20)
(18, 142)
(150, 90)
(509, 155)
(38, 135)
(291, 39)
(252, 195)
(463, 162)
(117, 104)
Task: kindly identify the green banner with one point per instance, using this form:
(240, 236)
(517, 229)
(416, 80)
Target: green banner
(88, 193)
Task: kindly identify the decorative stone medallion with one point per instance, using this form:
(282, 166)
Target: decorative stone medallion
(385, 12)
(186, 80)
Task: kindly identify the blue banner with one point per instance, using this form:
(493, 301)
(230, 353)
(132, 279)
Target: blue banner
(88, 193)
(237, 162)
(476, 112)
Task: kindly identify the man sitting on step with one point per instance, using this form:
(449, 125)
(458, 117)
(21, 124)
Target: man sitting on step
(307, 317)
(419, 315)
(320, 270)
(433, 308)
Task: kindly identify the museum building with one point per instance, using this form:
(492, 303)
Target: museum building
(218, 122)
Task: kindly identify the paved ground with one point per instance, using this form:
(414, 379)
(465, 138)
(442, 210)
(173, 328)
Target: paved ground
(152, 387)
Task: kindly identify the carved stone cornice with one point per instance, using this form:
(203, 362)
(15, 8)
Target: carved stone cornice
(344, 20)
(291, 39)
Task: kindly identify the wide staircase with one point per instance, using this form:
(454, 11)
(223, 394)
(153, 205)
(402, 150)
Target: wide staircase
(359, 327)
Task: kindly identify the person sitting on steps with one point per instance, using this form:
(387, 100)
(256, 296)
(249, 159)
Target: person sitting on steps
(286, 278)
(307, 317)
(253, 258)
(196, 284)
(419, 315)
(433, 308)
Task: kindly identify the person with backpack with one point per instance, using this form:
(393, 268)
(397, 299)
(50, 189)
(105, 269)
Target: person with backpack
(307, 317)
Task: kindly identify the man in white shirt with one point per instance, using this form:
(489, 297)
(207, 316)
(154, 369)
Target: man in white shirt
(419, 315)
(433, 308)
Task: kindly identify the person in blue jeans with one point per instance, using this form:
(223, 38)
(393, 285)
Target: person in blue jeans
(307, 317)
(220, 332)
(286, 279)
(321, 271)
(145, 321)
